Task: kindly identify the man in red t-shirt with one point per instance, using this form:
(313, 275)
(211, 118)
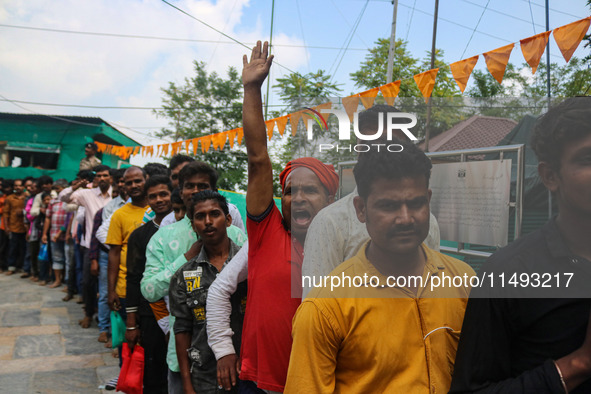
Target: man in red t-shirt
(275, 241)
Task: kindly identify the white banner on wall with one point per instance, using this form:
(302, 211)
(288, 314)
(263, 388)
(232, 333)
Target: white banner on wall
(471, 201)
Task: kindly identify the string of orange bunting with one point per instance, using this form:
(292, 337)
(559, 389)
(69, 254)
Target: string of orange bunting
(567, 37)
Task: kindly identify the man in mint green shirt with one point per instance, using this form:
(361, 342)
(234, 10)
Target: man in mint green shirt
(173, 246)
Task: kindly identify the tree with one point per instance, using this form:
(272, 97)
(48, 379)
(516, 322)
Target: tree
(205, 104)
(587, 59)
(572, 79)
(444, 113)
(519, 94)
(298, 92)
(373, 70)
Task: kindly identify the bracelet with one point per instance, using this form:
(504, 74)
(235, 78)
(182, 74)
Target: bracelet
(561, 377)
(132, 328)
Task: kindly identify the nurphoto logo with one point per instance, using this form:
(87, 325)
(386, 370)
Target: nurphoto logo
(393, 122)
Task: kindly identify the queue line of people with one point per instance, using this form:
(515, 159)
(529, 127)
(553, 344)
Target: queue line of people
(217, 311)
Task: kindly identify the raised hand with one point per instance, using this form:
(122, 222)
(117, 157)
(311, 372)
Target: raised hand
(256, 70)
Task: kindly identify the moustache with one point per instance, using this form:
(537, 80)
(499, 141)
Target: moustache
(401, 229)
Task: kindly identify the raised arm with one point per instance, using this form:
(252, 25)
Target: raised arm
(260, 174)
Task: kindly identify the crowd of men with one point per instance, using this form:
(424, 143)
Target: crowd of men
(216, 311)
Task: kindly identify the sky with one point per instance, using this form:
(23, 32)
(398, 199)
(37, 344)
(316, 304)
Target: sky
(49, 57)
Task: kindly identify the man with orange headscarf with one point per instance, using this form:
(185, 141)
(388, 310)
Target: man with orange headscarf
(274, 253)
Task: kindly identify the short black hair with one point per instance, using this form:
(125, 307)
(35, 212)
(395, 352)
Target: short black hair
(8, 183)
(198, 167)
(204, 196)
(45, 194)
(27, 178)
(372, 165)
(44, 180)
(100, 168)
(158, 180)
(153, 169)
(118, 174)
(178, 159)
(175, 197)
(86, 174)
(370, 118)
(563, 123)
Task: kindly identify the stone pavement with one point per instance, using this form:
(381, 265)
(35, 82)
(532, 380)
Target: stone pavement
(42, 347)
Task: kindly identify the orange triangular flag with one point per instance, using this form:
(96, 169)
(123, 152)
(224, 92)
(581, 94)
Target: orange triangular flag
(219, 140)
(294, 119)
(100, 147)
(462, 70)
(128, 151)
(281, 123)
(426, 82)
(350, 104)
(368, 97)
(390, 91)
(214, 141)
(239, 135)
(533, 47)
(176, 147)
(270, 126)
(164, 149)
(188, 145)
(323, 106)
(195, 143)
(231, 137)
(205, 143)
(496, 61)
(136, 150)
(568, 37)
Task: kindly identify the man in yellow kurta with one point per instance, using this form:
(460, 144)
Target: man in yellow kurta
(123, 222)
(388, 319)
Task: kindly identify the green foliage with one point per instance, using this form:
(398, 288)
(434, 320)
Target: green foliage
(297, 92)
(444, 113)
(587, 38)
(205, 104)
(519, 95)
(572, 79)
(373, 70)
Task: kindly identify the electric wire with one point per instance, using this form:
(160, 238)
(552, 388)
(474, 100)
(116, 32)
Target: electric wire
(357, 22)
(531, 14)
(412, 12)
(167, 38)
(475, 27)
(220, 32)
(302, 32)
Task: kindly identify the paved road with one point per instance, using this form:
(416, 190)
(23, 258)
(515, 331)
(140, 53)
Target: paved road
(42, 347)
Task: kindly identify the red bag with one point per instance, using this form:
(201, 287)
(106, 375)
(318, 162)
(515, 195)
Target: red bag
(131, 377)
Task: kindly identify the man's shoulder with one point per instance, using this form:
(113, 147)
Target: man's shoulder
(143, 230)
(170, 234)
(339, 207)
(349, 268)
(451, 264)
(187, 269)
(525, 246)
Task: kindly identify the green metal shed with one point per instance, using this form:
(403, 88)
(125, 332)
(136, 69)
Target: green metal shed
(53, 145)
